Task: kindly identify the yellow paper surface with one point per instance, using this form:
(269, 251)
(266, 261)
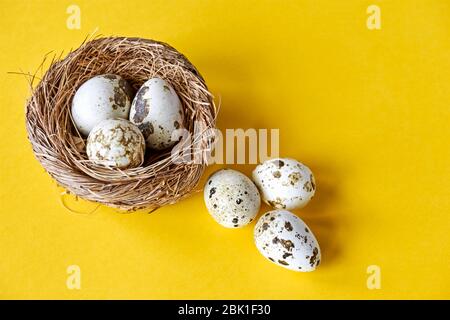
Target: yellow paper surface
(367, 110)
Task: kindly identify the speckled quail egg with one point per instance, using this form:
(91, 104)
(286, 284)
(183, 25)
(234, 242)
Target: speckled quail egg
(157, 111)
(231, 198)
(286, 240)
(102, 97)
(116, 143)
(284, 183)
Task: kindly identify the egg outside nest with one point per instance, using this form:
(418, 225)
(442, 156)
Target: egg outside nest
(284, 239)
(231, 198)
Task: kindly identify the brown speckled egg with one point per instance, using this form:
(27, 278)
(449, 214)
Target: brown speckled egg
(231, 198)
(102, 97)
(286, 240)
(284, 183)
(157, 111)
(116, 143)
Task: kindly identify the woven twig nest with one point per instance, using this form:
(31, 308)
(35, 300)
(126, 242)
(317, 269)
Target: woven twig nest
(60, 148)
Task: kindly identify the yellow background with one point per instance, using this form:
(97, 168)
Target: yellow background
(368, 111)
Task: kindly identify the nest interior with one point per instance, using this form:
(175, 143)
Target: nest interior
(61, 149)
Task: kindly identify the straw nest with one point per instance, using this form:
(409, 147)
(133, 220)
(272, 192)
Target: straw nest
(163, 178)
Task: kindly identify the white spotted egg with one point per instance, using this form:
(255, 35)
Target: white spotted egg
(284, 183)
(102, 97)
(286, 240)
(116, 143)
(157, 111)
(231, 198)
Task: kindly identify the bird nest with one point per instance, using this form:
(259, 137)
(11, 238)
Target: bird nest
(165, 177)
